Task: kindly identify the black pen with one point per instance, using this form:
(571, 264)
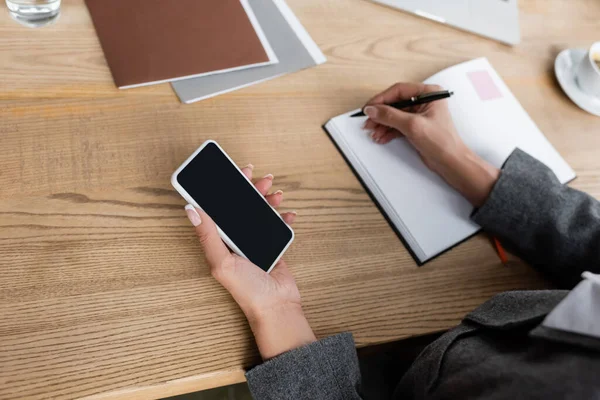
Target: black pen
(415, 101)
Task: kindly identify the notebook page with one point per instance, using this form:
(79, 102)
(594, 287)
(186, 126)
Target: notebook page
(435, 215)
(340, 139)
(491, 120)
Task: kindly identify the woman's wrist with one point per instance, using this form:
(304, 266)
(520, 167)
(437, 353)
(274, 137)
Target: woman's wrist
(280, 329)
(473, 177)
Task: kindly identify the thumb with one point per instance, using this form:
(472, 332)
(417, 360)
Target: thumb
(215, 250)
(391, 117)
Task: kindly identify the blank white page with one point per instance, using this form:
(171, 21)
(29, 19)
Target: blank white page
(435, 215)
(491, 120)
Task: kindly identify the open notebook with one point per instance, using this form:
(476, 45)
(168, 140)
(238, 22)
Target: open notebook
(430, 216)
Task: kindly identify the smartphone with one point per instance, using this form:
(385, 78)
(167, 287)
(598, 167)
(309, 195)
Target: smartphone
(210, 180)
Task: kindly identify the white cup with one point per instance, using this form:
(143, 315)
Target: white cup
(588, 74)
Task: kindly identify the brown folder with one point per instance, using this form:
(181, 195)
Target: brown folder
(153, 41)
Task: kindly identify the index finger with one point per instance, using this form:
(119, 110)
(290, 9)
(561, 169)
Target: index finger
(399, 91)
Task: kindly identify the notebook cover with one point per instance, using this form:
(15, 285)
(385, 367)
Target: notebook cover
(293, 46)
(149, 41)
(385, 215)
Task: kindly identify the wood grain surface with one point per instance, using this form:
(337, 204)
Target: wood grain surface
(103, 289)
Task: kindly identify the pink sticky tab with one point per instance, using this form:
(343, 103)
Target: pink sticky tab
(484, 85)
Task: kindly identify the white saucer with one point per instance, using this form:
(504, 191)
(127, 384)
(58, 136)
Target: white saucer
(565, 67)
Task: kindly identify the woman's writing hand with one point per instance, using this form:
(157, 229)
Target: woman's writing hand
(429, 128)
(271, 302)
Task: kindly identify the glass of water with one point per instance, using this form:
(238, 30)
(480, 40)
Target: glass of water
(34, 13)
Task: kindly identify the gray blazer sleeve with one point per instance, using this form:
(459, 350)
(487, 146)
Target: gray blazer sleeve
(327, 370)
(551, 226)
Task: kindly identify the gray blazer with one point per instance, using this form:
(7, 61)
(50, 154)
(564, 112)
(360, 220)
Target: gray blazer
(507, 348)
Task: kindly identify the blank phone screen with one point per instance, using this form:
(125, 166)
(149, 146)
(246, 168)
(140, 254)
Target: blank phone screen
(237, 208)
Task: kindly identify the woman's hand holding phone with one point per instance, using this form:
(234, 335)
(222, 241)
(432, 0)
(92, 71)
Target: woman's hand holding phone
(271, 302)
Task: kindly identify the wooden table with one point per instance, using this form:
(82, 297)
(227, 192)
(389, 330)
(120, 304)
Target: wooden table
(103, 289)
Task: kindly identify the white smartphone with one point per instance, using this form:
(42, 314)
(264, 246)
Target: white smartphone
(210, 180)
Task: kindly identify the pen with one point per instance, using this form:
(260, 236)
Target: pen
(415, 101)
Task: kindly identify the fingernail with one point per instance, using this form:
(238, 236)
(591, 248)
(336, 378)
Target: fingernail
(373, 136)
(250, 167)
(279, 192)
(371, 111)
(294, 212)
(364, 126)
(268, 176)
(193, 215)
